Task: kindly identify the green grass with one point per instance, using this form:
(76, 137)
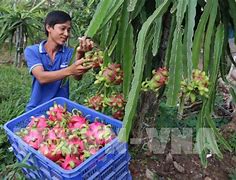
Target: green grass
(14, 94)
(232, 175)
(14, 91)
(232, 142)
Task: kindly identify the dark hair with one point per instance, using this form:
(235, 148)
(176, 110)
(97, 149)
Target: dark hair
(55, 17)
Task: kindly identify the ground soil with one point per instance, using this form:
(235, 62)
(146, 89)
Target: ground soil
(145, 165)
(150, 166)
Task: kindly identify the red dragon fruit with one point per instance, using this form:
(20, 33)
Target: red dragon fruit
(75, 140)
(51, 135)
(97, 62)
(98, 59)
(118, 114)
(99, 133)
(117, 103)
(61, 132)
(70, 162)
(94, 58)
(77, 121)
(34, 137)
(56, 133)
(38, 122)
(50, 151)
(110, 75)
(67, 138)
(89, 151)
(96, 102)
(159, 79)
(56, 113)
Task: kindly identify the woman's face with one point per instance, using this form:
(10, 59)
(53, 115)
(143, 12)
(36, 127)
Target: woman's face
(60, 32)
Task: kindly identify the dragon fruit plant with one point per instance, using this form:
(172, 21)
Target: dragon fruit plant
(117, 103)
(197, 86)
(94, 58)
(114, 104)
(67, 138)
(110, 75)
(97, 102)
(159, 79)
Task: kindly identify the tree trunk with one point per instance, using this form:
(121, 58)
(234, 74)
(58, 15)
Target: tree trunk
(149, 101)
(146, 116)
(19, 46)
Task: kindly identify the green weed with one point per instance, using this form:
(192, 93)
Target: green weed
(232, 175)
(14, 94)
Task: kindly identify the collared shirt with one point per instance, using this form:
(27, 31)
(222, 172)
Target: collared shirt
(36, 55)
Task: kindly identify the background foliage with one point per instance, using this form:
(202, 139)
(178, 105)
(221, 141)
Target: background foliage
(173, 33)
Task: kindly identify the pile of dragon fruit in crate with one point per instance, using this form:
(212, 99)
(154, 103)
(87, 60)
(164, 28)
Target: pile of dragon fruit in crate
(67, 138)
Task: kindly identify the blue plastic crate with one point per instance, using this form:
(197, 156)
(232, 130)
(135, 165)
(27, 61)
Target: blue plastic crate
(110, 162)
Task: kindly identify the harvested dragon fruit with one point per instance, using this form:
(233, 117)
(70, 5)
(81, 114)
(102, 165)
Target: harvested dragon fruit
(67, 138)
